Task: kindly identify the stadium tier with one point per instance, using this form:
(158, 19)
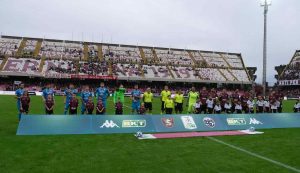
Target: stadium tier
(72, 59)
(291, 73)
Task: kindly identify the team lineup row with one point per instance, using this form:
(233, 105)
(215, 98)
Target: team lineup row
(197, 103)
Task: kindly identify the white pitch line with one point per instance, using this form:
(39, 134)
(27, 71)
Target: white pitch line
(255, 155)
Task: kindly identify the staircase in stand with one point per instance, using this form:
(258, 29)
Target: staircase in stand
(143, 55)
(100, 52)
(85, 51)
(155, 56)
(170, 71)
(222, 74)
(37, 48)
(21, 47)
(3, 62)
(42, 64)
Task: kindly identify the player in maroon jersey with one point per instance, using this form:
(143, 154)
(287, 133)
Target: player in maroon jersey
(279, 106)
(90, 106)
(119, 107)
(244, 98)
(213, 94)
(235, 97)
(25, 101)
(49, 105)
(100, 109)
(203, 96)
(73, 105)
(223, 98)
(142, 110)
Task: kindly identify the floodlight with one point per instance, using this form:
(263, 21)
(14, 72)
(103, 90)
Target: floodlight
(265, 2)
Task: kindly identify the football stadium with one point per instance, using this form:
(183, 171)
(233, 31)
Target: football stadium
(208, 99)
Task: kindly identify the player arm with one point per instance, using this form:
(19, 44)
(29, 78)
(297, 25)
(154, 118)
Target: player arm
(52, 107)
(46, 106)
(108, 94)
(16, 95)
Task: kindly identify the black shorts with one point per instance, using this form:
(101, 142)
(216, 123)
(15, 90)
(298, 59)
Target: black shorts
(169, 110)
(73, 111)
(119, 112)
(267, 109)
(228, 111)
(274, 110)
(162, 106)
(90, 112)
(100, 113)
(238, 111)
(178, 107)
(197, 110)
(218, 112)
(279, 109)
(260, 109)
(148, 106)
(25, 109)
(50, 112)
(210, 110)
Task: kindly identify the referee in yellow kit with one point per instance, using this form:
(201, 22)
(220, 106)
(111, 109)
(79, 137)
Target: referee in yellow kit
(178, 99)
(164, 96)
(148, 98)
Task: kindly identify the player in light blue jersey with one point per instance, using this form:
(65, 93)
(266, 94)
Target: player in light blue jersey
(48, 91)
(136, 96)
(85, 94)
(102, 93)
(19, 92)
(68, 95)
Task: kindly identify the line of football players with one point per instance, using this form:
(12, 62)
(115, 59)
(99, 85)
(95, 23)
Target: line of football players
(209, 102)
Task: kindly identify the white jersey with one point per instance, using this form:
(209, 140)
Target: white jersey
(260, 103)
(273, 106)
(238, 107)
(210, 103)
(277, 103)
(297, 106)
(197, 105)
(217, 108)
(227, 106)
(250, 104)
(266, 103)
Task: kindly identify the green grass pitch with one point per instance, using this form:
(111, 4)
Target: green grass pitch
(124, 153)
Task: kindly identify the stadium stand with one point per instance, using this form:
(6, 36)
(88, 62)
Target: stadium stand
(9, 46)
(93, 68)
(67, 59)
(61, 49)
(173, 57)
(121, 54)
(292, 70)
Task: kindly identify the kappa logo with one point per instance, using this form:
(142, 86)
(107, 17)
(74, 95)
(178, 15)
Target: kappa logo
(168, 122)
(134, 123)
(109, 124)
(188, 122)
(254, 121)
(209, 122)
(236, 121)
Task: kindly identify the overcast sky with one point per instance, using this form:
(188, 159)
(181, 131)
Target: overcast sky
(215, 25)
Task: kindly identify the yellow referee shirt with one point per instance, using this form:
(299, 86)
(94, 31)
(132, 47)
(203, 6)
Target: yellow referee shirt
(178, 98)
(164, 95)
(169, 103)
(148, 97)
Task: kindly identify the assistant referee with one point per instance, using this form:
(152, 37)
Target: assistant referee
(148, 98)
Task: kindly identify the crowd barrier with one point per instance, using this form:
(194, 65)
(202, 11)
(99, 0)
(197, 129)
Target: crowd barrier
(97, 124)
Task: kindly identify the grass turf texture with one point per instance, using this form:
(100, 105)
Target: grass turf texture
(124, 153)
